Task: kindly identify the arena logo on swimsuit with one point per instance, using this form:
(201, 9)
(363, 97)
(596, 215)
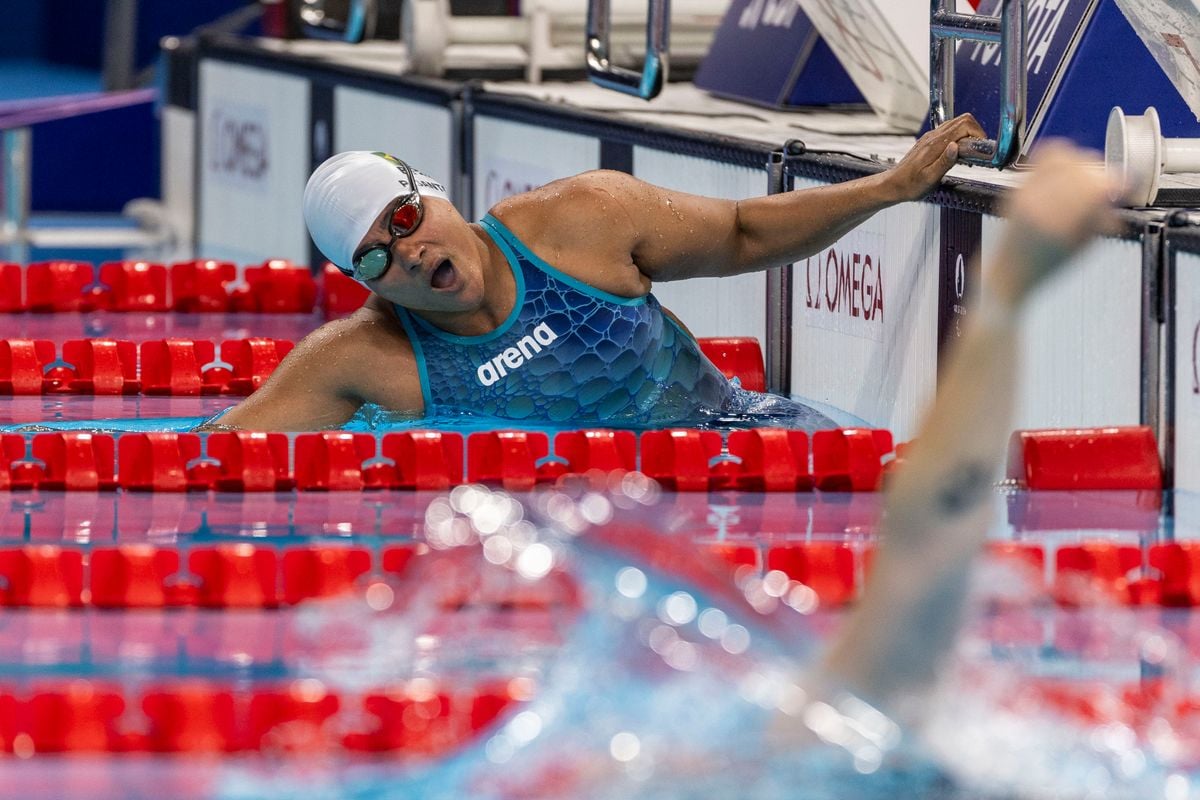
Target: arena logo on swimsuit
(512, 358)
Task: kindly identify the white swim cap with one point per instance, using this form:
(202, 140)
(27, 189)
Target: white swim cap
(346, 193)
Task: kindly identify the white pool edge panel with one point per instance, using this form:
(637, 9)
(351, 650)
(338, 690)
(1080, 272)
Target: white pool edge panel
(418, 133)
(513, 157)
(253, 151)
(1081, 349)
(1186, 371)
(734, 306)
(877, 363)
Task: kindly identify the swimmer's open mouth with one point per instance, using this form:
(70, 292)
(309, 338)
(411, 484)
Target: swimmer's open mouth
(443, 275)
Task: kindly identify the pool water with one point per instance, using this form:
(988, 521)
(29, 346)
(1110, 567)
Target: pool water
(635, 659)
(648, 668)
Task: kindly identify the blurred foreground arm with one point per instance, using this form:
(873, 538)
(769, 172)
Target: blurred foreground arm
(938, 507)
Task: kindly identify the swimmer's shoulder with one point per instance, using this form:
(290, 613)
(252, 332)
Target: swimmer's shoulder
(368, 355)
(580, 225)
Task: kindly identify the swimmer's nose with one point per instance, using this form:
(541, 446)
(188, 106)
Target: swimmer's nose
(407, 254)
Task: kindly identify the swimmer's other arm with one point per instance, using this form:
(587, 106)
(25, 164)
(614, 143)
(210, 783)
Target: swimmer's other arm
(938, 507)
(672, 235)
(328, 376)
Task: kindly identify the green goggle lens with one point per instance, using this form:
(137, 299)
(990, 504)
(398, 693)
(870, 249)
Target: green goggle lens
(372, 264)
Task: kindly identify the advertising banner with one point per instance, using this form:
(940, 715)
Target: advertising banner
(254, 162)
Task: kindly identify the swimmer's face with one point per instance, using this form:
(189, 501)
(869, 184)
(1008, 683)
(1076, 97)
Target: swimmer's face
(435, 268)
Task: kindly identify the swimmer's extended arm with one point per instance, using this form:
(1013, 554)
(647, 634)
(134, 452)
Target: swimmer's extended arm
(320, 384)
(938, 507)
(677, 235)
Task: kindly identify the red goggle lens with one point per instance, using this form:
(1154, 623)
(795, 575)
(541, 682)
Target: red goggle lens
(405, 218)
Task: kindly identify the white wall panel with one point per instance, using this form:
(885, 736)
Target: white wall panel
(254, 130)
(864, 333)
(420, 133)
(1081, 339)
(178, 163)
(1187, 372)
(734, 306)
(512, 157)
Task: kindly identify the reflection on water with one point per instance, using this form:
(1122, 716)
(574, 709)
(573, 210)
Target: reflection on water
(673, 681)
(745, 410)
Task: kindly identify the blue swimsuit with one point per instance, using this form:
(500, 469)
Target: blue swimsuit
(568, 353)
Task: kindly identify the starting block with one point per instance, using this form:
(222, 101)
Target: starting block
(771, 54)
(543, 36)
(1083, 59)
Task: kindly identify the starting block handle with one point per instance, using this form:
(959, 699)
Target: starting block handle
(1008, 30)
(602, 72)
(317, 23)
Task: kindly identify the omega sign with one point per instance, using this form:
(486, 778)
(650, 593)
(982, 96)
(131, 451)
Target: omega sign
(843, 287)
(238, 144)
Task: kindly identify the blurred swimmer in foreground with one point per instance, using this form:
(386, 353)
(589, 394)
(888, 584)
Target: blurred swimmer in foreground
(938, 507)
(542, 312)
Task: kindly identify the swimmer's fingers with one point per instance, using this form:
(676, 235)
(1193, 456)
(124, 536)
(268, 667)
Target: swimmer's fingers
(1063, 203)
(923, 167)
(1066, 197)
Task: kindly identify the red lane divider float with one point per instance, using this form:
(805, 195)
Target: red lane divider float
(418, 717)
(229, 575)
(342, 295)
(683, 460)
(202, 285)
(738, 357)
(11, 297)
(178, 367)
(1091, 458)
(157, 367)
(273, 287)
(52, 286)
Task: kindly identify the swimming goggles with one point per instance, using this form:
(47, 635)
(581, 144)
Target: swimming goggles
(404, 219)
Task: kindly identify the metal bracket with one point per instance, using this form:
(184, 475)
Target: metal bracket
(1008, 30)
(602, 72)
(357, 24)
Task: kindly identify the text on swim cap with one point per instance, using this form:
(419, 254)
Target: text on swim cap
(513, 357)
